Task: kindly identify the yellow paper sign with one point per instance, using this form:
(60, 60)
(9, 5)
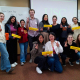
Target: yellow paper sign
(74, 28)
(16, 36)
(47, 25)
(47, 52)
(73, 47)
(33, 29)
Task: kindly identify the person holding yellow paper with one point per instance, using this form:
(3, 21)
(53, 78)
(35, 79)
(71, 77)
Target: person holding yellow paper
(32, 35)
(76, 24)
(72, 54)
(36, 54)
(53, 59)
(44, 30)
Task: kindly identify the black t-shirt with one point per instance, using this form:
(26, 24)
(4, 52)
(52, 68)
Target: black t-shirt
(67, 49)
(56, 29)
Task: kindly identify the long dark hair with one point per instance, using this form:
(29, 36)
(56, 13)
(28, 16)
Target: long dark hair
(53, 35)
(77, 20)
(38, 38)
(66, 23)
(45, 22)
(77, 41)
(14, 24)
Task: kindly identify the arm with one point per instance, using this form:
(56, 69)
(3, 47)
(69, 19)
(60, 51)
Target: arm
(27, 24)
(40, 26)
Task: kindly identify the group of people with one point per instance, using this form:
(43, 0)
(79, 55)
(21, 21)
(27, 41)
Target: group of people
(58, 39)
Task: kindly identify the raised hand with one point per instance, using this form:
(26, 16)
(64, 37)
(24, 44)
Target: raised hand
(28, 20)
(36, 46)
(65, 44)
(76, 51)
(61, 26)
(0, 28)
(69, 26)
(57, 44)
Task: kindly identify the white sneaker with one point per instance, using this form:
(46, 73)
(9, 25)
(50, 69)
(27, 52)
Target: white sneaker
(13, 65)
(30, 61)
(38, 70)
(22, 63)
(77, 62)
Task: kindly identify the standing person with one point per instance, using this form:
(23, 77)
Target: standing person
(32, 35)
(76, 24)
(23, 42)
(43, 29)
(66, 29)
(53, 59)
(78, 45)
(56, 28)
(11, 28)
(36, 54)
(5, 63)
(72, 54)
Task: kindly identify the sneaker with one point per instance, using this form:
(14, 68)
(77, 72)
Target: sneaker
(13, 65)
(38, 70)
(64, 64)
(77, 62)
(25, 62)
(49, 69)
(22, 63)
(71, 63)
(30, 61)
(10, 70)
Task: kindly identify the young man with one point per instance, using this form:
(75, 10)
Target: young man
(5, 63)
(32, 35)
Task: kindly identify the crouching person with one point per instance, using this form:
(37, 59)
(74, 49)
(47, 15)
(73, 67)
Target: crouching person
(53, 60)
(36, 54)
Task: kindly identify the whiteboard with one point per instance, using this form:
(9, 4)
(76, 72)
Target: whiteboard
(78, 15)
(18, 12)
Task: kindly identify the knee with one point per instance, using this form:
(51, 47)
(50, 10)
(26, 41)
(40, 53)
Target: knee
(61, 70)
(51, 61)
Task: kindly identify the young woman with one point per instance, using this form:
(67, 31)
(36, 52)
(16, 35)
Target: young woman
(76, 24)
(11, 28)
(72, 54)
(56, 28)
(36, 54)
(78, 45)
(66, 29)
(53, 60)
(5, 63)
(44, 30)
(23, 42)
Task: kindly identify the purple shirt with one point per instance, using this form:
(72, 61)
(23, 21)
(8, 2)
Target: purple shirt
(13, 30)
(33, 23)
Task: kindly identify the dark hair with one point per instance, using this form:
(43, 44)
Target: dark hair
(77, 41)
(69, 35)
(54, 17)
(22, 20)
(65, 22)
(51, 33)
(1, 13)
(45, 22)
(38, 38)
(31, 10)
(14, 24)
(77, 20)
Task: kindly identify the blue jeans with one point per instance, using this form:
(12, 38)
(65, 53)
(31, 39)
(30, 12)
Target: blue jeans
(5, 63)
(55, 64)
(23, 51)
(79, 56)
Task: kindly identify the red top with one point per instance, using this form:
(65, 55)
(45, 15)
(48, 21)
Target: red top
(24, 36)
(54, 51)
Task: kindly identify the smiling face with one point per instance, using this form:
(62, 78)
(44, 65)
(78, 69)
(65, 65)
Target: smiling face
(32, 13)
(63, 20)
(41, 39)
(45, 18)
(1, 17)
(51, 37)
(54, 20)
(70, 38)
(75, 20)
(22, 23)
(13, 20)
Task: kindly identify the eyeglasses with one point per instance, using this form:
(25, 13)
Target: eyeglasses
(1, 16)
